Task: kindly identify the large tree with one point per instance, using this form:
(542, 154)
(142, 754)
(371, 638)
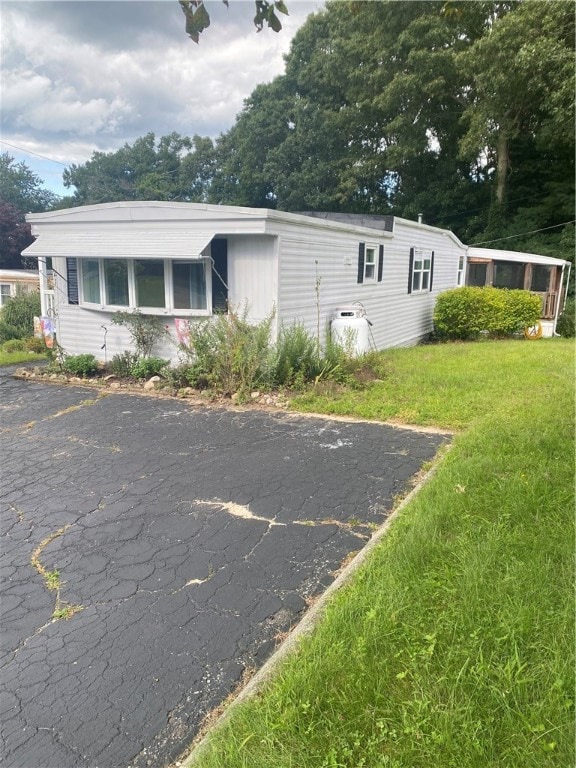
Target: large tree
(15, 235)
(22, 188)
(460, 111)
(173, 168)
(21, 192)
(520, 112)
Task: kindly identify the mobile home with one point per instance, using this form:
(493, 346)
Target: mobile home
(186, 261)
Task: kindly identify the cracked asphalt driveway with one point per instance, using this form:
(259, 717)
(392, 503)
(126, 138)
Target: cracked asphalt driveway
(153, 551)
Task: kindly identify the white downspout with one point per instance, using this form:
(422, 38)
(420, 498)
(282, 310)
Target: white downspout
(43, 285)
(557, 313)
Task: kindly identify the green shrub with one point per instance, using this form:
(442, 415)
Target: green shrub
(121, 365)
(459, 313)
(180, 376)
(520, 309)
(17, 315)
(14, 345)
(146, 367)
(565, 325)
(8, 332)
(229, 353)
(34, 344)
(81, 365)
(465, 313)
(145, 330)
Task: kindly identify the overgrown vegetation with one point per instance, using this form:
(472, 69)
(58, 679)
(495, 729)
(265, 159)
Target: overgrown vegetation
(231, 355)
(465, 313)
(453, 646)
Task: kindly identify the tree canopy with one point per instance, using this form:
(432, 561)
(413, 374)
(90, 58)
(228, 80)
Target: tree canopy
(172, 168)
(461, 111)
(21, 192)
(22, 188)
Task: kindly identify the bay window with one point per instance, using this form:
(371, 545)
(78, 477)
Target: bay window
(189, 285)
(150, 288)
(148, 284)
(116, 282)
(91, 281)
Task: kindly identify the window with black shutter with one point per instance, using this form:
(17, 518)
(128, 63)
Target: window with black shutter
(219, 253)
(72, 280)
(421, 271)
(361, 249)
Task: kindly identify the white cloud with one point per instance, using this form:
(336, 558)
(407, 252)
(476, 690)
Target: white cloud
(80, 76)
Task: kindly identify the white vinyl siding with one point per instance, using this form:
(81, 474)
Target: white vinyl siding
(301, 268)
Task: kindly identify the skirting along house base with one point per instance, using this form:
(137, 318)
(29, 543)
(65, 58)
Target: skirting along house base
(187, 261)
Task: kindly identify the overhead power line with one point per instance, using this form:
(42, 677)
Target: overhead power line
(29, 152)
(521, 234)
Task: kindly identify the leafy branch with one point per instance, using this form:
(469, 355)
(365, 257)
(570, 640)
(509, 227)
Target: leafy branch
(198, 18)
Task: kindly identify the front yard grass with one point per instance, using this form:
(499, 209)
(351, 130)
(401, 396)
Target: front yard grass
(453, 645)
(13, 358)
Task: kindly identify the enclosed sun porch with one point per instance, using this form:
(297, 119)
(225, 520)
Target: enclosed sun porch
(543, 275)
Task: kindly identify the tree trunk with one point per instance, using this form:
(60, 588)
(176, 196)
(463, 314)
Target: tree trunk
(503, 163)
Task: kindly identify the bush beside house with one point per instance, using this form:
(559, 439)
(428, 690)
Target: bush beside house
(465, 313)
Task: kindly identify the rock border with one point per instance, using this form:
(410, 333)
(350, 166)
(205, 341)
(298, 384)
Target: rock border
(154, 386)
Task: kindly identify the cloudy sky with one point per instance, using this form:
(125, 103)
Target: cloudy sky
(85, 75)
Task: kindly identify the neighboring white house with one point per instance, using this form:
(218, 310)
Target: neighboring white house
(186, 260)
(14, 280)
(189, 261)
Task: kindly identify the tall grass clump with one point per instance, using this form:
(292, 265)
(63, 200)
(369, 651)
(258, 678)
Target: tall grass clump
(231, 355)
(228, 353)
(296, 356)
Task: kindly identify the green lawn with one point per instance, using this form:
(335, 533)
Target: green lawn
(453, 645)
(12, 358)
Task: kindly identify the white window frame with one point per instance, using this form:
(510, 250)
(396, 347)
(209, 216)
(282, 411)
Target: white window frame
(461, 268)
(367, 264)
(421, 273)
(5, 296)
(168, 309)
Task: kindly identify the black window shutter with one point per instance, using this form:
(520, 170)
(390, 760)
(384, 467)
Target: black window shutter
(380, 263)
(219, 253)
(431, 269)
(361, 250)
(72, 280)
(410, 270)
